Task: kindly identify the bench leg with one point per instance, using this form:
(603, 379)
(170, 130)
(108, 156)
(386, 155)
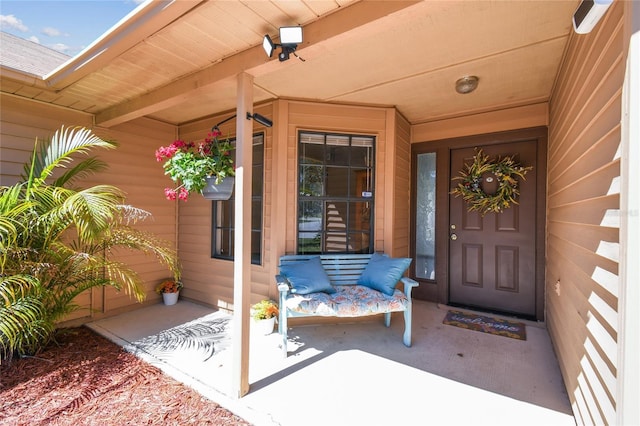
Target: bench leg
(282, 329)
(406, 338)
(387, 319)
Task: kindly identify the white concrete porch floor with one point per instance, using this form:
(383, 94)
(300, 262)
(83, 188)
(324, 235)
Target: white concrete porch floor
(361, 373)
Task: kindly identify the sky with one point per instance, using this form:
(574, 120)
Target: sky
(67, 26)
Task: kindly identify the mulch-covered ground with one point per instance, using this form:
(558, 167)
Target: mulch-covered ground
(87, 380)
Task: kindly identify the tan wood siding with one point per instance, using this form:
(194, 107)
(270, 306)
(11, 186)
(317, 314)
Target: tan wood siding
(402, 187)
(23, 121)
(134, 169)
(489, 122)
(582, 222)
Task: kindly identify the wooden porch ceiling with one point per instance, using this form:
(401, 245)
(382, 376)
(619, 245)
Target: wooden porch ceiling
(176, 61)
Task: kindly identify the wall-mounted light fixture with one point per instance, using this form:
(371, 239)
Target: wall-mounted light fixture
(257, 117)
(260, 119)
(466, 84)
(290, 37)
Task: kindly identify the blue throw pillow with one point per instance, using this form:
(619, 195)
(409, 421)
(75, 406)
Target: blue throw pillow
(383, 273)
(307, 277)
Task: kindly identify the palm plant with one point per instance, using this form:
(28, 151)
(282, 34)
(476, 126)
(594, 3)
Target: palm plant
(57, 241)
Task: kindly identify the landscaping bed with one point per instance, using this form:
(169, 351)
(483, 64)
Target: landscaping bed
(85, 379)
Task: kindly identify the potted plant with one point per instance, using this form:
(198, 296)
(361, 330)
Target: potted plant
(206, 167)
(264, 315)
(170, 290)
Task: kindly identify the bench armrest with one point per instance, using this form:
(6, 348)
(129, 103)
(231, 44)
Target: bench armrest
(408, 285)
(283, 284)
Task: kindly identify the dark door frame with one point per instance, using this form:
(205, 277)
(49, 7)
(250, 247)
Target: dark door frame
(438, 290)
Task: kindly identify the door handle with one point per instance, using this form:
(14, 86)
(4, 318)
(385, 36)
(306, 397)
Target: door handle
(454, 237)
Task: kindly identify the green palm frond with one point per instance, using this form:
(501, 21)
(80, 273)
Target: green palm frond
(24, 323)
(130, 215)
(59, 150)
(12, 223)
(8, 236)
(10, 198)
(11, 210)
(14, 287)
(126, 278)
(146, 242)
(81, 170)
(93, 210)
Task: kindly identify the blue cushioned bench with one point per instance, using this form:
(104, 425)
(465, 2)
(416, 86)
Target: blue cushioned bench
(354, 288)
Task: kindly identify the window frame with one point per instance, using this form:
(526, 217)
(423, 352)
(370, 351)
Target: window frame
(423, 260)
(228, 205)
(349, 199)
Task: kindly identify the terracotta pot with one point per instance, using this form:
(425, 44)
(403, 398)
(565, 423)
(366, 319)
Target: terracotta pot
(221, 191)
(170, 298)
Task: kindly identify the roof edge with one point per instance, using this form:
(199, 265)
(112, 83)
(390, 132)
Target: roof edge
(142, 22)
(24, 77)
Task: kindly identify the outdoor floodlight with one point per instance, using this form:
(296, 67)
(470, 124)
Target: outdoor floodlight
(290, 37)
(268, 45)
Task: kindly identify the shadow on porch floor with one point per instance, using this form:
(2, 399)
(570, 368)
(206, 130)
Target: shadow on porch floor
(357, 373)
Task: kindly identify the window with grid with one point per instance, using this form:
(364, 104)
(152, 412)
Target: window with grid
(222, 241)
(335, 193)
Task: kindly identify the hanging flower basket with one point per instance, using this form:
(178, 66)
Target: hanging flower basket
(192, 166)
(504, 171)
(218, 191)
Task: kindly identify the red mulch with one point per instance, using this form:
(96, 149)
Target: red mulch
(88, 380)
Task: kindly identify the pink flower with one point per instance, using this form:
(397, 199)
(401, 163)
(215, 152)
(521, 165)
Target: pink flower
(170, 193)
(180, 145)
(214, 133)
(183, 194)
(205, 147)
(166, 152)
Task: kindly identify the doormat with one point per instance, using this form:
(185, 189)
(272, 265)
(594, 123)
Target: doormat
(501, 327)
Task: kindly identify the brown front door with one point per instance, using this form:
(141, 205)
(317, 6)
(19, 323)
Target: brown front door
(492, 258)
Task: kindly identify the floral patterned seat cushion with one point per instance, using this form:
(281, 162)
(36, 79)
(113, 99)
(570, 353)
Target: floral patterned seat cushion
(347, 301)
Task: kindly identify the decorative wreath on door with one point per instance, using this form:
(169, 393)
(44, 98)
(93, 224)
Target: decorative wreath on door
(505, 170)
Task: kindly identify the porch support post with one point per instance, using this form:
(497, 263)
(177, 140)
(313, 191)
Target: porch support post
(628, 368)
(242, 240)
